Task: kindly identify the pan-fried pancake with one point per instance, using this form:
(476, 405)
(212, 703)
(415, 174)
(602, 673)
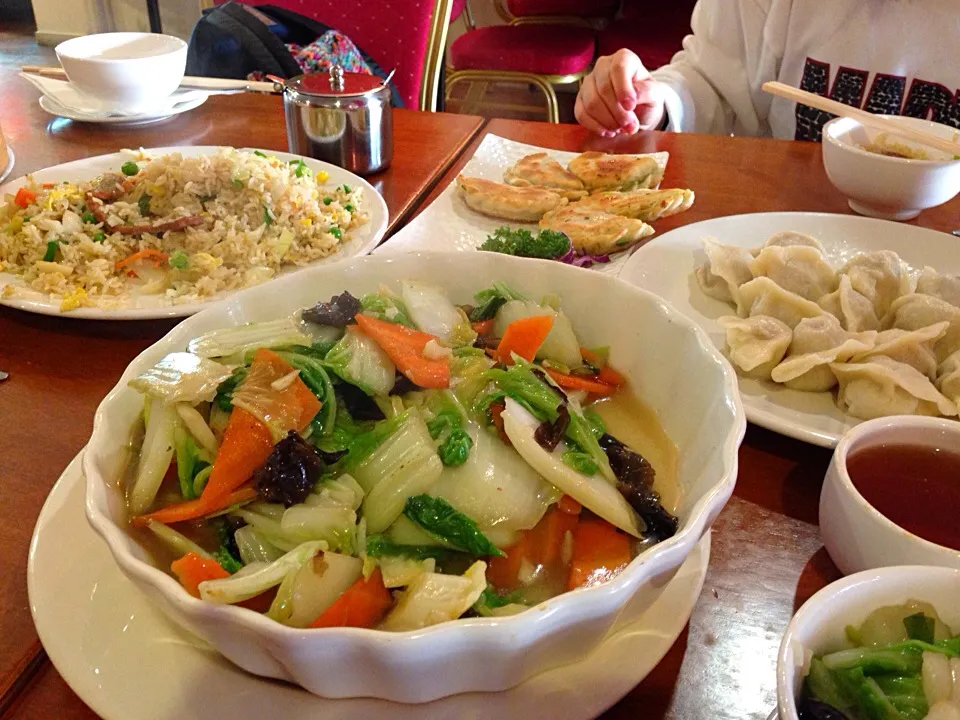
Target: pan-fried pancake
(541, 170)
(600, 171)
(499, 200)
(595, 232)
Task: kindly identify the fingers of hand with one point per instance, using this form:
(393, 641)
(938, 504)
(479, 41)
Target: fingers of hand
(597, 107)
(624, 73)
(587, 120)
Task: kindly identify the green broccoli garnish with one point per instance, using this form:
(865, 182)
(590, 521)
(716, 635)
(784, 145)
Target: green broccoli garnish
(548, 244)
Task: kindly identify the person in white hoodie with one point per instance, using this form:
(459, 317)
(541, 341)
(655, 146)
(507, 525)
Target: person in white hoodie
(898, 57)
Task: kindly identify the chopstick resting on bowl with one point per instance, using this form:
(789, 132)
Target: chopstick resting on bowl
(189, 82)
(867, 119)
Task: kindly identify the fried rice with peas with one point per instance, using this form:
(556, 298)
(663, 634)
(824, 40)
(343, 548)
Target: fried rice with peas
(185, 228)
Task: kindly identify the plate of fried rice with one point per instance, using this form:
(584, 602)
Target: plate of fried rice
(164, 232)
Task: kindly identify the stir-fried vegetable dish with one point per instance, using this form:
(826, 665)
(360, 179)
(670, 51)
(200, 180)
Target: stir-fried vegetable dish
(390, 461)
(902, 663)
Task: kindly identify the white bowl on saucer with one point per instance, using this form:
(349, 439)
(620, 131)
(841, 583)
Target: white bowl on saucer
(819, 626)
(129, 71)
(856, 535)
(681, 375)
(890, 188)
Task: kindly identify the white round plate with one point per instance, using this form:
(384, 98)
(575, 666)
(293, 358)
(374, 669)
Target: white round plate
(55, 108)
(666, 265)
(5, 173)
(128, 662)
(361, 242)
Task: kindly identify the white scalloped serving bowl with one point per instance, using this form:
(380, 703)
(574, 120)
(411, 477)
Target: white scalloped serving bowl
(671, 364)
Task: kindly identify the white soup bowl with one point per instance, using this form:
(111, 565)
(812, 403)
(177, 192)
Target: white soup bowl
(890, 188)
(124, 71)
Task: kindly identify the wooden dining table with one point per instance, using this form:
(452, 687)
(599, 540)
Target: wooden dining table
(766, 558)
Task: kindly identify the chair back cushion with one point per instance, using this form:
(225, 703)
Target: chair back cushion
(394, 33)
(569, 8)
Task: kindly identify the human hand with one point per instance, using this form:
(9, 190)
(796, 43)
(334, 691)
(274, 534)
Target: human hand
(619, 96)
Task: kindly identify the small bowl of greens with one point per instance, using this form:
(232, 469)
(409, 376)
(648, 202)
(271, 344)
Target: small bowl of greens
(878, 645)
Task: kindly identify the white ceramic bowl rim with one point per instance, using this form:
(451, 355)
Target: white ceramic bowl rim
(859, 437)
(68, 48)
(813, 609)
(520, 628)
(831, 130)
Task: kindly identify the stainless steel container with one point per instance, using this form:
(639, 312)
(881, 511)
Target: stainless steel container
(342, 118)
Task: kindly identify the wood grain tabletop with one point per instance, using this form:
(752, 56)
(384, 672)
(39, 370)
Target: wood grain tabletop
(767, 557)
(60, 369)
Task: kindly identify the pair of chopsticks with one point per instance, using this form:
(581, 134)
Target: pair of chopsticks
(189, 82)
(867, 119)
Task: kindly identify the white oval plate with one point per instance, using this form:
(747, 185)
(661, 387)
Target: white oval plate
(128, 662)
(143, 307)
(665, 266)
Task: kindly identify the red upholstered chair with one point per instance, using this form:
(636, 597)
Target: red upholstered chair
(653, 30)
(530, 50)
(409, 35)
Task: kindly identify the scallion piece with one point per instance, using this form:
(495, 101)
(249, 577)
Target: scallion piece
(51, 252)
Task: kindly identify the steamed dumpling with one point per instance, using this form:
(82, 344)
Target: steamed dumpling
(757, 344)
(727, 268)
(914, 312)
(854, 311)
(797, 268)
(762, 296)
(884, 387)
(817, 342)
(912, 347)
(948, 378)
(945, 287)
(791, 238)
(880, 276)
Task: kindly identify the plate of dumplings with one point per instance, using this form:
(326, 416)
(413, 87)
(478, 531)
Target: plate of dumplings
(604, 203)
(828, 319)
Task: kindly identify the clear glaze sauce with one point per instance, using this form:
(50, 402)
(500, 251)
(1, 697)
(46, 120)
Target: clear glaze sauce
(636, 425)
(916, 487)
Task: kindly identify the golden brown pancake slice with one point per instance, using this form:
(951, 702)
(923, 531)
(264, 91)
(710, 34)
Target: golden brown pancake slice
(646, 205)
(595, 232)
(499, 200)
(600, 171)
(541, 170)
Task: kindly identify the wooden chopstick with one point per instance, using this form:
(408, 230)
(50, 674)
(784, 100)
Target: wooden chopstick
(867, 119)
(189, 82)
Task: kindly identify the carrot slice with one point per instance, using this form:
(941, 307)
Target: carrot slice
(483, 327)
(193, 569)
(524, 337)
(24, 197)
(540, 546)
(404, 346)
(155, 256)
(504, 572)
(297, 393)
(576, 382)
(363, 604)
(600, 551)
(548, 535)
(570, 506)
(192, 509)
(247, 443)
(609, 376)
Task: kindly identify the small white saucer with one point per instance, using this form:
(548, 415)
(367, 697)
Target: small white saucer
(128, 662)
(55, 108)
